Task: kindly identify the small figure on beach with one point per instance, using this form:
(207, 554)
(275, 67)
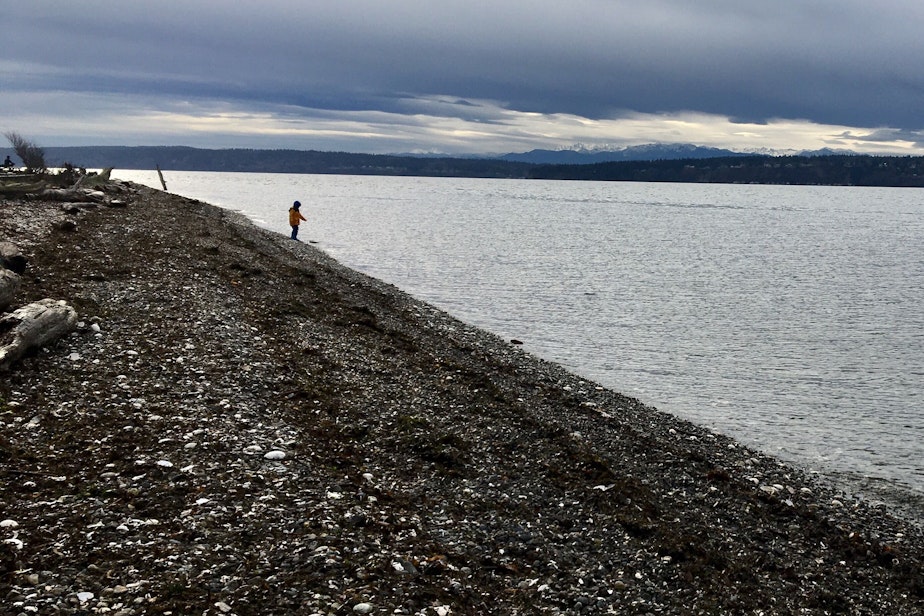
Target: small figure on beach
(8, 163)
(295, 217)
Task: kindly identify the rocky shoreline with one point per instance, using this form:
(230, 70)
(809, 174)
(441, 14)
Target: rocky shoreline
(240, 425)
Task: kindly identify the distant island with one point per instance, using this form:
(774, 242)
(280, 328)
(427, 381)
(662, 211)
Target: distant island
(838, 170)
(668, 164)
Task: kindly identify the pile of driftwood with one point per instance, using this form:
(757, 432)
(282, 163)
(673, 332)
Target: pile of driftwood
(37, 324)
(33, 325)
(66, 185)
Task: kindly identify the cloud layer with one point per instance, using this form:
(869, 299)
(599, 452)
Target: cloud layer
(459, 77)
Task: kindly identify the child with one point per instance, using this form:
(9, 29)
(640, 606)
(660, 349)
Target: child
(294, 217)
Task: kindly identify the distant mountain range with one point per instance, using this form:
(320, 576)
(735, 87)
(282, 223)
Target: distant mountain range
(580, 155)
(588, 156)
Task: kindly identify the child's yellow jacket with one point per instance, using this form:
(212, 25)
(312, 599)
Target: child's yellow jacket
(294, 217)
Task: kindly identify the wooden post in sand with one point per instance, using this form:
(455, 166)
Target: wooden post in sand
(161, 176)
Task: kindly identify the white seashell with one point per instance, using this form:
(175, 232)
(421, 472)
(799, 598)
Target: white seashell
(275, 455)
(16, 543)
(165, 463)
(83, 597)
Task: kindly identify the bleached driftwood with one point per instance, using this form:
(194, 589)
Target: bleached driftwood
(12, 187)
(9, 284)
(94, 179)
(11, 257)
(33, 326)
(73, 194)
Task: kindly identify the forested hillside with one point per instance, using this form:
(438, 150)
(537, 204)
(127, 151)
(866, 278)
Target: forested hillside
(811, 170)
(847, 170)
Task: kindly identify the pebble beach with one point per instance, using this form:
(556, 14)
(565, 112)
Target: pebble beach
(238, 424)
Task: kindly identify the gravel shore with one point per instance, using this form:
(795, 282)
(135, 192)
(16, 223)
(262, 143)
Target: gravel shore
(240, 425)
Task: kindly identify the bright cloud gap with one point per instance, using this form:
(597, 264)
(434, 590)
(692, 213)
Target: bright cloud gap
(434, 125)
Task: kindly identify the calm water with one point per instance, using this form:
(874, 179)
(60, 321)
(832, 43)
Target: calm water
(789, 317)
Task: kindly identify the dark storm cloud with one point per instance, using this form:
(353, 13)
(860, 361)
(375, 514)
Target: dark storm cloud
(827, 61)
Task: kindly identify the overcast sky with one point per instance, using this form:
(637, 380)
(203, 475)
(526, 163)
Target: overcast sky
(465, 76)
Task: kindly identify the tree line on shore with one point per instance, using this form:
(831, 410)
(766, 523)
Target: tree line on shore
(835, 170)
(840, 170)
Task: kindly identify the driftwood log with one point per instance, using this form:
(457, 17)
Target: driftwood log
(9, 284)
(73, 194)
(94, 179)
(32, 327)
